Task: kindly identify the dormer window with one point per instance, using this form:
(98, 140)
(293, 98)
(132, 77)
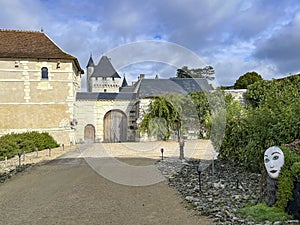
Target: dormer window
(44, 71)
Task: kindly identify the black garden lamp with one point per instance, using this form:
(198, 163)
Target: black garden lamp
(19, 155)
(162, 153)
(199, 169)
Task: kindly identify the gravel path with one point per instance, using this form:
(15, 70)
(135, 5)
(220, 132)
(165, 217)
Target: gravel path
(68, 191)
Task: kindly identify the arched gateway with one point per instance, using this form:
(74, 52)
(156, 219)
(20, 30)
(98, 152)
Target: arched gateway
(115, 126)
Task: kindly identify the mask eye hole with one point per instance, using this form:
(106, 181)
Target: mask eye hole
(267, 160)
(275, 157)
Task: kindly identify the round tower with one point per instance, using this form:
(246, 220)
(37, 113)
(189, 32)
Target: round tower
(89, 72)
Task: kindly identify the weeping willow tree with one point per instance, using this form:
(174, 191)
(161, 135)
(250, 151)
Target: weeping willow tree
(160, 119)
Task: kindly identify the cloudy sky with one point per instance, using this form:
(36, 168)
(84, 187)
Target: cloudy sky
(233, 36)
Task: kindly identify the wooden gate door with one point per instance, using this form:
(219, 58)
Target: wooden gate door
(115, 126)
(89, 133)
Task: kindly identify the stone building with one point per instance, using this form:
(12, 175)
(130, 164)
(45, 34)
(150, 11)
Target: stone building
(40, 91)
(38, 85)
(110, 110)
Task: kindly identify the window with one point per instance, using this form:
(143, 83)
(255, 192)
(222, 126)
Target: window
(44, 73)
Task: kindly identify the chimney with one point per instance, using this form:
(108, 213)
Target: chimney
(142, 76)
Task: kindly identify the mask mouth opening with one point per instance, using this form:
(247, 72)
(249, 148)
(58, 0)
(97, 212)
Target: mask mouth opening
(273, 171)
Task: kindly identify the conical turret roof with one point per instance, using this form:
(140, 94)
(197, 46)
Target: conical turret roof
(90, 62)
(124, 83)
(105, 69)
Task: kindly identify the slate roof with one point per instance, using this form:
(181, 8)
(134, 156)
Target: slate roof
(104, 96)
(124, 83)
(90, 62)
(127, 89)
(31, 44)
(105, 69)
(156, 87)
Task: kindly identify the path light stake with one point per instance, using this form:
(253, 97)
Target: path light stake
(37, 152)
(162, 153)
(181, 147)
(19, 155)
(199, 169)
(49, 152)
(63, 147)
(215, 156)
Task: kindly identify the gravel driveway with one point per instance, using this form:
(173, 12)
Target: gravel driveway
(68, 191)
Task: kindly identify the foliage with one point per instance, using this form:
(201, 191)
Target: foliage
(248, 78)
(211, 114)
(200, 101)
(289, 173)
(295, 170)
(205, 72)
(160, 119)
(12, 144)
(257, 92)
(271, 118)
(236, 131)
(261, 212)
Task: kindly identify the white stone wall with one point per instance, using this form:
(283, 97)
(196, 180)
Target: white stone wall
(93, 112)
(105, 84)
(237, 94)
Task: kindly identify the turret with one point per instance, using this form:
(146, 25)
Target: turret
(124, 83)
(89, 71)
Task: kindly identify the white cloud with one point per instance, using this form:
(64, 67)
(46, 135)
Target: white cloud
(235, 36)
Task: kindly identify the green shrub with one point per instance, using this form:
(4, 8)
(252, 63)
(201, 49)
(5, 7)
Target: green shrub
(288, 175)
(270, 118)
(12, 144)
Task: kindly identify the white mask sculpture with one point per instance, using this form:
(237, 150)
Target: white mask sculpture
(274, 160)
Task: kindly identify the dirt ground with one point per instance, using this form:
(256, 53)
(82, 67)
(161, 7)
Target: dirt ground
(68, 191)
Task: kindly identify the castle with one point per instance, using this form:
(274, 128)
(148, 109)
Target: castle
(40, 91)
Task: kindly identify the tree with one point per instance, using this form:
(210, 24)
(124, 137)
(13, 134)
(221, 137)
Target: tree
(201, 103)
(206, 72)
(160, 119)
(247, 79)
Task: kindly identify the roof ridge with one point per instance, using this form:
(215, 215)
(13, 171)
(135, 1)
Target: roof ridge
(25, 31)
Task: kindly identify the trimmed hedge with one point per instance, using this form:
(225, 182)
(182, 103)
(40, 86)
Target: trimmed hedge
(12, 144)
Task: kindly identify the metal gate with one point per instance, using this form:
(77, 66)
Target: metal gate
(115, 126)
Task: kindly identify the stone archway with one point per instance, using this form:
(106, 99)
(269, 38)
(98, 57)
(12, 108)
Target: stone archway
(89, 133)
(115, 126)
